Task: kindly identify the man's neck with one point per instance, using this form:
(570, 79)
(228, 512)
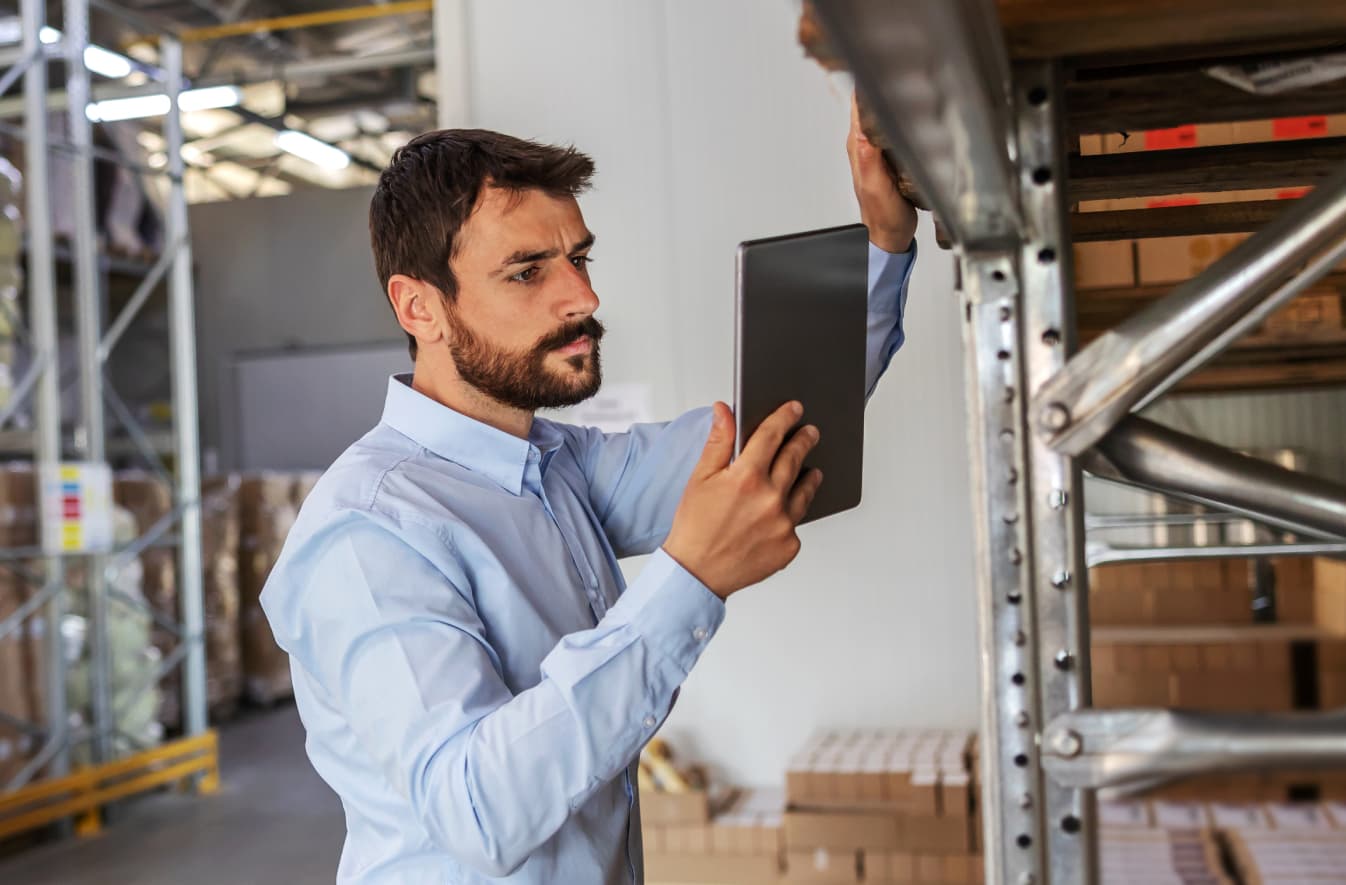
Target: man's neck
(448, 389)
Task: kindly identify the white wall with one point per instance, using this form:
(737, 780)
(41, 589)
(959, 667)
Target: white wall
(709, 127)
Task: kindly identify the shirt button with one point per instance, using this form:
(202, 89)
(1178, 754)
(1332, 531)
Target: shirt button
(700, 634)
(650, 721)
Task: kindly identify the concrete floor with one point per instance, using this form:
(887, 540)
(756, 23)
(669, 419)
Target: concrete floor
(273, 821)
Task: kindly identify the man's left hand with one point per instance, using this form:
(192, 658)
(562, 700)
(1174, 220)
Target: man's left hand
(890, 218)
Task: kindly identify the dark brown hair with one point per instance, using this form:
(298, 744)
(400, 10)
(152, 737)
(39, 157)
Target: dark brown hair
(432, 184)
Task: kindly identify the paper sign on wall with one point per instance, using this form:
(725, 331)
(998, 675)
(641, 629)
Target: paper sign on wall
(77, 508)
(614, 408)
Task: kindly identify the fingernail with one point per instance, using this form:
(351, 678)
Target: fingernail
(813, 432)
(797, 408)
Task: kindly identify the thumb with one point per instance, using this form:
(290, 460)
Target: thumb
(719, 444)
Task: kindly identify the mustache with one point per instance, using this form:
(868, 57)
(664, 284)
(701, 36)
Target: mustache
(572, 332)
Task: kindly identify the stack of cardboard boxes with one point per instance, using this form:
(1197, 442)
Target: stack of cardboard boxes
(22, 654)
(22, 679)
(1157, 844)
(1213, 843)
(1166, 260)
(734, 839)
(149, 500)
(219, 554)
(1290, 843)
(1181, 634)
(883, 806)
(270, 504)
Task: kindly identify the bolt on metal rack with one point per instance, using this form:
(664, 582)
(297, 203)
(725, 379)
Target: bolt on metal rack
(984, 141)
(95, 342)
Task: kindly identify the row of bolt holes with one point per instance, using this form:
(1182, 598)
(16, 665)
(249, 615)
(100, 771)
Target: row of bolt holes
(1037, 96)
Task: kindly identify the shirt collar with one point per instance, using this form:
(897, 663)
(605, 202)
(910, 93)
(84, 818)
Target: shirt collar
(499, 456)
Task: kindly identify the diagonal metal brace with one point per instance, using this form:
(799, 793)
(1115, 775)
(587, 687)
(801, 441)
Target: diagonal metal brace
(1148, 353)
(1152, 456)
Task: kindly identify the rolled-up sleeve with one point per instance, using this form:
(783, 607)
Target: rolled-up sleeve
(381, 620)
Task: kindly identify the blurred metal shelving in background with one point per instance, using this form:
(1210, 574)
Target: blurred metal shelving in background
(57, 793)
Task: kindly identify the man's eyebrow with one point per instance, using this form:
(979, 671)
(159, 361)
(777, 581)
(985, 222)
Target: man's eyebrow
(583, 245)
(525, 257)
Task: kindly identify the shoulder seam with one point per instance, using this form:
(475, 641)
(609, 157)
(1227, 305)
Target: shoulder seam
(372, 505)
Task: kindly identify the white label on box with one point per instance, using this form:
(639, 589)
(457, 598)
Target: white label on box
(1273, 77)
(1180, 815)
(1239, 817)
(1123, 814)
(77, 508)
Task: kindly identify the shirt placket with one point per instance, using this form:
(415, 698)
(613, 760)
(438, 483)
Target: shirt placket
(533, 479)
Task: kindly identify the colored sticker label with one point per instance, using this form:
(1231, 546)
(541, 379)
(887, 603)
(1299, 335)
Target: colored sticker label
(1168, 139)
(1299, 127)
(1164, 202)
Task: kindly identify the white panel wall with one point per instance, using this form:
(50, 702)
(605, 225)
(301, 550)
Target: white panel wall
(709, 127)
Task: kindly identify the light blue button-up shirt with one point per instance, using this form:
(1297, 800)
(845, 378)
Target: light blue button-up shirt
(475, 677)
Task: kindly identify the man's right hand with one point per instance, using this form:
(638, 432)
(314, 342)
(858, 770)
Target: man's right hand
(736, 522)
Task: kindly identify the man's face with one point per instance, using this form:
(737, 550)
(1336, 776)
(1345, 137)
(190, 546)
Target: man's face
(521, 329)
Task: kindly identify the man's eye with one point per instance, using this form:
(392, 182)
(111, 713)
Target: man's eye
(581, 261)
(524, 276)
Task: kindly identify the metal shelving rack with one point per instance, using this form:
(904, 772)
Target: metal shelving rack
(95, 342)
(983, 139)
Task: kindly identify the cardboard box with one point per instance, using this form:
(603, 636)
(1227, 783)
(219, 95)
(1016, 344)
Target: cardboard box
(660, 809)
(1317, 311)
(266, 513)
(18, 505)
(1174, 259)
(1105, 265)
(843, 831)
(1329, 595)
(822, 866)
(711, 869)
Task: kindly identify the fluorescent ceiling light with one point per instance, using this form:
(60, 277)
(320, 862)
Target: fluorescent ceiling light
(210, 98)
(140, 106)
(101, 61)
(129, 108)
(307, 147)
(107, 63)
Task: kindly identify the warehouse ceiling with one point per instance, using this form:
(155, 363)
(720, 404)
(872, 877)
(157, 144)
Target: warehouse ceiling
(240, 151)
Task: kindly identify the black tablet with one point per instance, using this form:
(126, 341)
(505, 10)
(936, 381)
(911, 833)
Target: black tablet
(802, 303)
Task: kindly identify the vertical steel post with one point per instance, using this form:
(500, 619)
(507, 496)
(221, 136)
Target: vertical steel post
(41, 288)
(1059, 590)
(1011, 779)
(89, 328)
(186, 439)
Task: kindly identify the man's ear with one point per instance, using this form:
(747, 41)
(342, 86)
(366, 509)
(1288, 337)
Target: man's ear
(414, 303)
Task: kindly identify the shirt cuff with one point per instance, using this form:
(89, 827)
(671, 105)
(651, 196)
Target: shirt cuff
(888, 275)
(671, 610)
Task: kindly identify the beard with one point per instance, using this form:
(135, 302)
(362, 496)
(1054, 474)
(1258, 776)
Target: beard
(522, 380)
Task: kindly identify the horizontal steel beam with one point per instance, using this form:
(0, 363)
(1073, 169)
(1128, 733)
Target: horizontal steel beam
(1175, 221)
(1122, 748)
(935, 75)
(1156, 347)
(1103, 554)
(1143, 453)
(1226, 167)
(310, 68)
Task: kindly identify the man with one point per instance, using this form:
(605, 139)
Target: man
(475, 678)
